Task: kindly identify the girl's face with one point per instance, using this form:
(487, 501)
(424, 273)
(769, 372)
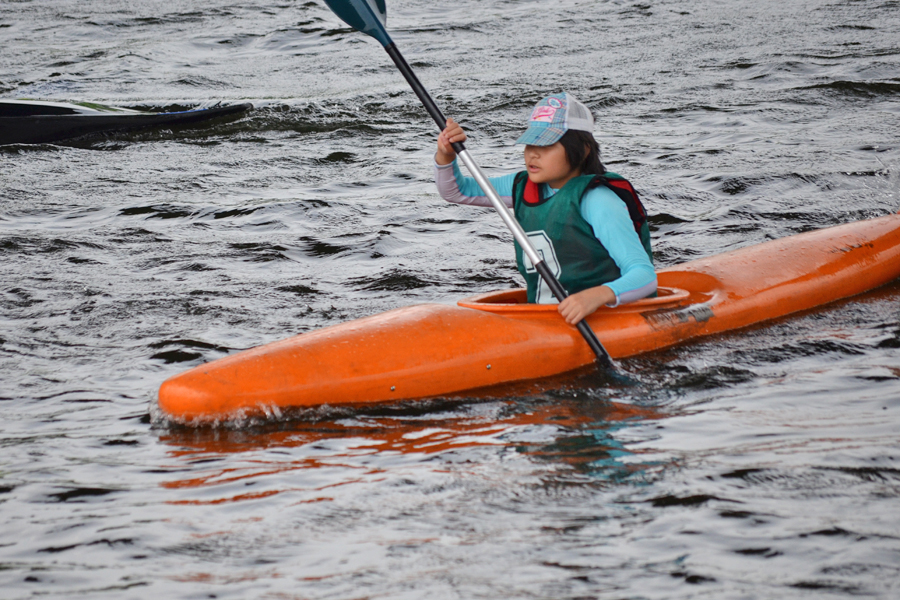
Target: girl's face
(548, 164)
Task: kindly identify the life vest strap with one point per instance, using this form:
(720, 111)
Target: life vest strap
(624, 190)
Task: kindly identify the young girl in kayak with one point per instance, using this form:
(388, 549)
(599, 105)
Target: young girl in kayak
(587, 223)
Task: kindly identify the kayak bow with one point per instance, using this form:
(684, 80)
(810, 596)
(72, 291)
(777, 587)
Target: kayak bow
(439, 350)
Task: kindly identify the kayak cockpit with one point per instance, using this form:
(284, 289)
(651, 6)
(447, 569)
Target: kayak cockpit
(515, 302)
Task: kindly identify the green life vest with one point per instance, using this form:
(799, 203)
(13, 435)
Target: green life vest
(563, 238)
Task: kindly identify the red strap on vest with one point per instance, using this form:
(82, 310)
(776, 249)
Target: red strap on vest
(532, 193)
(624, 185)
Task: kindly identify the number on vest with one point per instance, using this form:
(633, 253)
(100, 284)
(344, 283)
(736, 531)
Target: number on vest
(544, 248)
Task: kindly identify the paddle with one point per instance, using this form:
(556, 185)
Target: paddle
(369, 17)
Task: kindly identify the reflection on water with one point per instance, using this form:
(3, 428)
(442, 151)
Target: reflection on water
(431, 486)
(577, 435)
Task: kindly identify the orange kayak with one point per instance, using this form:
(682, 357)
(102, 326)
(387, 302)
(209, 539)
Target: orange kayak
(433, 350)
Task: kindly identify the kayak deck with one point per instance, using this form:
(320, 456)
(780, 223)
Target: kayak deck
(437, 350)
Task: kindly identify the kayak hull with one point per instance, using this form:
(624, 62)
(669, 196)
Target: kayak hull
(23, 122)
(439, 350)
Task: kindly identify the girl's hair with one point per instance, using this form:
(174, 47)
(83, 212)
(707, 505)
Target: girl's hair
(582, 151)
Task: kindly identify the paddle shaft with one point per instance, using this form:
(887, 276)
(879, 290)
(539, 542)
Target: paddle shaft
(510, 221)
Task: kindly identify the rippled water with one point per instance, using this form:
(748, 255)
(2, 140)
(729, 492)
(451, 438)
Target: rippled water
(760, 464)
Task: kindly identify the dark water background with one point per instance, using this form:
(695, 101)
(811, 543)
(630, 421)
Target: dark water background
(759, 464)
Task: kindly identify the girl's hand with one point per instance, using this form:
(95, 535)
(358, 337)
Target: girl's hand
(577, 306)
(451, 133)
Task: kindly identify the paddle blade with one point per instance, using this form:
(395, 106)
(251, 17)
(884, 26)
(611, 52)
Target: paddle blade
(368, 16)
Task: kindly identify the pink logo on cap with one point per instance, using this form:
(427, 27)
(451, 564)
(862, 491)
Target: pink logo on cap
(543, 114)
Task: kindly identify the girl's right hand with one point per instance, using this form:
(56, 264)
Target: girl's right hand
(452, 133)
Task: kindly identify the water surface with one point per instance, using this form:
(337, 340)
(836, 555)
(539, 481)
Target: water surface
(759, 464)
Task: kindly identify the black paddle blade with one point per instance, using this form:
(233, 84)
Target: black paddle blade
(367, 16)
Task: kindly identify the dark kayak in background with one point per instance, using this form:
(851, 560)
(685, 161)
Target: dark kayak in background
(37, 122)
